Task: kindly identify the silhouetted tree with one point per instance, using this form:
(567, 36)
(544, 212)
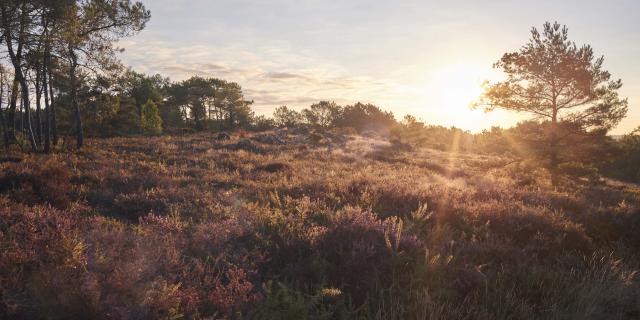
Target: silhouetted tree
(323, 114)
(365, 117)
(555, 80)
(262, 123)
(285, 117)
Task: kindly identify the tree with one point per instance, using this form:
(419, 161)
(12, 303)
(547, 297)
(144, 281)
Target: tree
(142, 87)
(150, 120)
(262, 123)
(191, 98)
(286, 118)
(90, 28)
(558, 82)
(364, 117)
(209, 103)
(235, 109)
(322, 114)
(3, 124)
(17, 23)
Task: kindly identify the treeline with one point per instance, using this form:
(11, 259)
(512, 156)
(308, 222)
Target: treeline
(59, 79)
(581, 152)
(359, 117)
(56, 51)
(132, 103)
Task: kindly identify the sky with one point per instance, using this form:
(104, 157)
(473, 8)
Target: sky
(425, 58)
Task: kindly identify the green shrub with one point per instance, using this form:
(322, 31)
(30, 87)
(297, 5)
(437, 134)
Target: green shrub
(150, 121)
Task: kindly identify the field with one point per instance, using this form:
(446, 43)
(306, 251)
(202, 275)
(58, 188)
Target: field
(297, 225)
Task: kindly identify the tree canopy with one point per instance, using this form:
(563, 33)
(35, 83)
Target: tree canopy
(555, 80)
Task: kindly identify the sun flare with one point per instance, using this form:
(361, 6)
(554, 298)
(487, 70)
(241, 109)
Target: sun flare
(452, 89)
(461, 85)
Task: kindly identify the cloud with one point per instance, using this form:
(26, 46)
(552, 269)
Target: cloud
(271, 75)
(284, 76)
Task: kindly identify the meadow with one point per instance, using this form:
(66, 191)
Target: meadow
(289, 224)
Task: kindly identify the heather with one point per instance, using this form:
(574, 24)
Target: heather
(323, 225)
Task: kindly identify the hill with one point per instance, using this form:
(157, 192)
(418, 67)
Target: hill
(297, 225)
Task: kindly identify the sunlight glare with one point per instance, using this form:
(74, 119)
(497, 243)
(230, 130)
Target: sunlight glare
(453, 89)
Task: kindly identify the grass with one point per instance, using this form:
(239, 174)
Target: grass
(322, 227)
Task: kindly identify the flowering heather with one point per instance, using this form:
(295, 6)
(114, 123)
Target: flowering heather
(190, 227)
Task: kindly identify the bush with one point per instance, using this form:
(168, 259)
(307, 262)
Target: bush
(173, 227)
(47, 183)
(150, 121)
(579, 169)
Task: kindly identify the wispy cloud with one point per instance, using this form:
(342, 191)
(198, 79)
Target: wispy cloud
(270, 75)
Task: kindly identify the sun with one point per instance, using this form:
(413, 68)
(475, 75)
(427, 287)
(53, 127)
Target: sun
(450, 91)
(459, 85)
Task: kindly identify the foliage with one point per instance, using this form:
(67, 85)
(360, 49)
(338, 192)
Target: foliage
(184, 227)
(287, 118)
(210, 104)
(150, 120)
(625, 164)
(557, 82)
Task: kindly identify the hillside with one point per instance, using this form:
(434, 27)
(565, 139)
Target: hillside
(295, 225)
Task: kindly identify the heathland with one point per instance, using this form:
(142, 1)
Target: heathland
(290, 224)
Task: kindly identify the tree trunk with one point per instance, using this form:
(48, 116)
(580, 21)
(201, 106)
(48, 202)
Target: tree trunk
(27, 109)
(52, 105)
(16, 59)
(45, 86)
(38, 98)
(3, 124)
(553, 151)
(5, 134)
(13, 106)
(47, 117)
(74, 98)
(21, 115)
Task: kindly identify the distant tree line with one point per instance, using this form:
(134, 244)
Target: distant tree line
(59, 79)
(327, 115)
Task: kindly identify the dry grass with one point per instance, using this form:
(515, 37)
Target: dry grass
(195, 228)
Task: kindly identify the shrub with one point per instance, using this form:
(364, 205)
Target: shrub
(359, 251)
(46, 183)
(175, 227)
(579, 169)
(150, 120)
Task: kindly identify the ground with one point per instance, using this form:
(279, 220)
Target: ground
(292, 225)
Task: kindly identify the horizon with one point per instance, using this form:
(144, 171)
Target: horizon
(288, 59)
